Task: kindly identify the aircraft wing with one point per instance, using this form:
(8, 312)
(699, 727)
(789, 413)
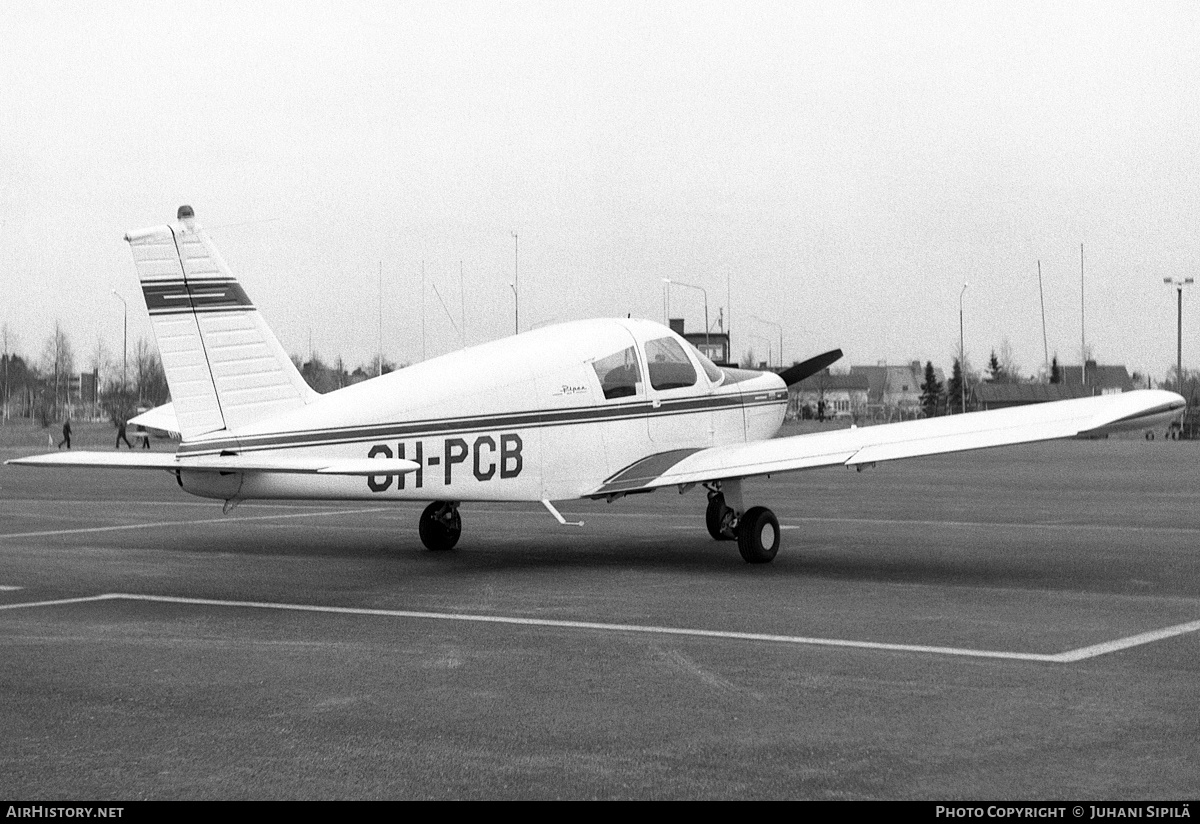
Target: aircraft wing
(1143, 409)
(222, 463)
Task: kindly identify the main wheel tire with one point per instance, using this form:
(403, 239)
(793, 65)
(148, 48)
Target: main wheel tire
(439, 529)
(714, 519)
(758, 535)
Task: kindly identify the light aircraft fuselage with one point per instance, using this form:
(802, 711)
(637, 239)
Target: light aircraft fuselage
(524, 418)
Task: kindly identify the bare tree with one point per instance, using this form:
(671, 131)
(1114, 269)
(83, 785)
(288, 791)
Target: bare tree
(375, 368)
(58, 362)
(1010, 369)
(148, 372)
(101, 359)
(8, 340)
(320, 377)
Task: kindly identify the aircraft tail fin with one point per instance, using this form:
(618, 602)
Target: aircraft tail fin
(224, 366)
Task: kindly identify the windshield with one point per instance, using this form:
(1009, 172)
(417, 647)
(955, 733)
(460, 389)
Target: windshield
(714, 372)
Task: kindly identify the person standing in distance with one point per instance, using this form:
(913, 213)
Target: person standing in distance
(121, 434)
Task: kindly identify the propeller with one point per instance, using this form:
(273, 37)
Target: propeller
(797, 373)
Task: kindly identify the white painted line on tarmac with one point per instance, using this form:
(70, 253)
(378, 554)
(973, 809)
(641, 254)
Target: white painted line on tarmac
(1056, 525)
(60, 601)
(9, 588)
(1057, 658)
(1125, 643)
(796, 522)
(221, 520)
(210, 503)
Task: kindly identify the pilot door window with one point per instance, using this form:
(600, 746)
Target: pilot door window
(668, 364)
(619, 374)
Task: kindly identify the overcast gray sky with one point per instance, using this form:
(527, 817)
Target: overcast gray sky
(844, 167)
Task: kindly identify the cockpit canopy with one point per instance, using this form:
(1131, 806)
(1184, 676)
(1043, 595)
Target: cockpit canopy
(668, 364)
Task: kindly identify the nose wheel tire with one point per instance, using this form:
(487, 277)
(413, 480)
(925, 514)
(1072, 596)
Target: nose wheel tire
(440, 526)
(758, 535)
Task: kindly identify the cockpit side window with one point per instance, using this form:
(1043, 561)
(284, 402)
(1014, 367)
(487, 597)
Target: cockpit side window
(668, 364)
(619, 374)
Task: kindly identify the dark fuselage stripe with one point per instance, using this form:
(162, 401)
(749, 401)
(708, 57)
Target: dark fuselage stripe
(455, 426)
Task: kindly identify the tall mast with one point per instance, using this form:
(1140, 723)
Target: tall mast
(379, 371)
(1082, 336)
(1045, 346)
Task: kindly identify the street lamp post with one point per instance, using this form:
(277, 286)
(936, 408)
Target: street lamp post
(124, 340)
(669, 281)
(1179, 283)
(516, 286)
(962, 358)
(778, 326)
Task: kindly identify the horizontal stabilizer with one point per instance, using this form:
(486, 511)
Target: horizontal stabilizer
(101, 460)
(160, 419)
(222, 463)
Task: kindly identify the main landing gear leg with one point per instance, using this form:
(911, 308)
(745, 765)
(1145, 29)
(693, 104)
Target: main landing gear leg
(756, 529)
(719, 518)
(440, 525)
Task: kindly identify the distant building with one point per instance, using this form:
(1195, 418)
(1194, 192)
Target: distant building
(1004, 395)
(895, 391)
(88, 388)
(825, 395)
(1100, 379)
(83, 393)
(714, 345)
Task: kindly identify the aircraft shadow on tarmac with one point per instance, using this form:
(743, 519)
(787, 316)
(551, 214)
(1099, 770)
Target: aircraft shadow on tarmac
(897, 560)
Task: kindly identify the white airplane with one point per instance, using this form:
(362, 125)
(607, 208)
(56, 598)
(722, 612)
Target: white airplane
(590, 409)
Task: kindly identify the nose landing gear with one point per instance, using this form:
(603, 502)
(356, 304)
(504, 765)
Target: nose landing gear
(440, 525)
